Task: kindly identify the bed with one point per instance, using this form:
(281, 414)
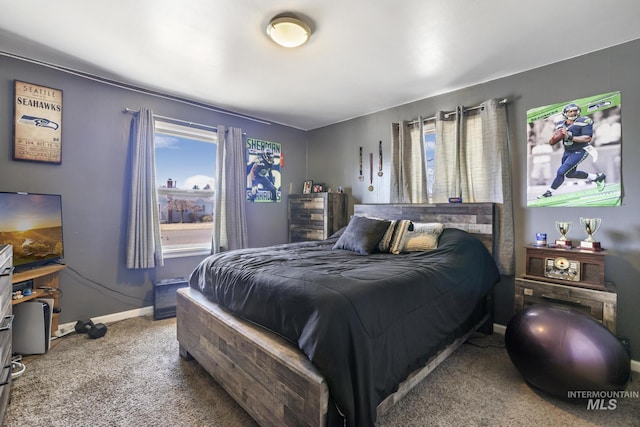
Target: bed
(317, 333)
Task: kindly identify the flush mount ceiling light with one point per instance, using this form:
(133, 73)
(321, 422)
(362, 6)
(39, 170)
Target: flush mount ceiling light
(288, 31)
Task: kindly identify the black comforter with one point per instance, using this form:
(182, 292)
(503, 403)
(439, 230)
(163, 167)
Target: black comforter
(365, 321)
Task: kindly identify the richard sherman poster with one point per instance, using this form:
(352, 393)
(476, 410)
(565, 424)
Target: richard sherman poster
(574, 153)
(264, 177)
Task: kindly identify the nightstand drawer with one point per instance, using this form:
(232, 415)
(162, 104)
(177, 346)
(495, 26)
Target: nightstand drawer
(600, 305)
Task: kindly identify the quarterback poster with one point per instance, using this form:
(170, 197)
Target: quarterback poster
(574, 153)
(264, 178)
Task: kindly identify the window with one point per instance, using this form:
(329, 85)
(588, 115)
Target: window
(429, 142)
(185, 171)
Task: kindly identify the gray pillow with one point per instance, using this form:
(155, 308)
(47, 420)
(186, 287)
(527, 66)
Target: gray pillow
(362, 235)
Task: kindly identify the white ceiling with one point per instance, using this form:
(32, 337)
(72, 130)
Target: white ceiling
(364, 55)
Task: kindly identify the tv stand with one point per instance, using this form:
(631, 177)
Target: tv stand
(43, 277)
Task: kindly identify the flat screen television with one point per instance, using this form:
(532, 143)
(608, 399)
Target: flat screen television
(32, 223)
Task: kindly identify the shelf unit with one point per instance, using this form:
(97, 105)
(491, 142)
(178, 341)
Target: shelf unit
(43, 277)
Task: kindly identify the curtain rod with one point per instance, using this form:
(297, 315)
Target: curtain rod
(180, 121)
(130, 87)
(503, 101)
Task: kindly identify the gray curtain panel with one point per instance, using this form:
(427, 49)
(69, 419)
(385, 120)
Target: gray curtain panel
(495, 127)
(408, 170)
(447, 163)
(229, 217)
(144, 246)
(473, 161)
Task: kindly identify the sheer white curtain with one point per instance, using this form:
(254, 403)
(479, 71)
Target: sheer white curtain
(229, 217)
(408, 171)
(144, 247)
(473, 162)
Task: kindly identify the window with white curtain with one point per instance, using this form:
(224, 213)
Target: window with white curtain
(185, 171)
(429, 144)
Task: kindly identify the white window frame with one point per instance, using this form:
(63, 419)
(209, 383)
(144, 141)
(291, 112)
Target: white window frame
(192, 132)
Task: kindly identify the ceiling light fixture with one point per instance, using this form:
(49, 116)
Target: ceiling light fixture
(288, 31)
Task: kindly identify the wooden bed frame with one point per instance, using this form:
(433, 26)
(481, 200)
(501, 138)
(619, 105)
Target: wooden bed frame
(272, 379)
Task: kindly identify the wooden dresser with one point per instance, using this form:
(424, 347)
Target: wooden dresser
(6, 317)
(316, 216)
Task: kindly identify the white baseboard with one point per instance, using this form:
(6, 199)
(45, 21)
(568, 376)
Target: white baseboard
(500, 329)
(66, 328)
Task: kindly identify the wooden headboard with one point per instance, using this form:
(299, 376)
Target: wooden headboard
(475, 218)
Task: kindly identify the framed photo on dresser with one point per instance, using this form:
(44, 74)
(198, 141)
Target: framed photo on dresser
(306, 187)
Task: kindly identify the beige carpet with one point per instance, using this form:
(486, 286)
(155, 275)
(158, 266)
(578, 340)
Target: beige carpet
(133, 376)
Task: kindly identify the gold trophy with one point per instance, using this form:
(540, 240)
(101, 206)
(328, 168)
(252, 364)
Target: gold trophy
(590, 226)
(563, 228)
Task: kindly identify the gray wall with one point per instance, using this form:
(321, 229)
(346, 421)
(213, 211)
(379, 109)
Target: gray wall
(600, 72)
(93, 181)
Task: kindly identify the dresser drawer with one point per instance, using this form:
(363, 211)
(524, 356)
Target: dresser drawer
(307, 216)
(5, 380)
(6, 288)
(600, 305)
(6, 326)
(305, 234)
(6, 321)
(6, 256)
(307, 203)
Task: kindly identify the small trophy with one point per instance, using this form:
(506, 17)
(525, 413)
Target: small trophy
(563, 228)
(590, 226)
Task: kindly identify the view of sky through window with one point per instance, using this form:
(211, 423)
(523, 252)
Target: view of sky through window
(187, 162)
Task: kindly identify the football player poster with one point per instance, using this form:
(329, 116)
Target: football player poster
(264, 178)
(574, 151)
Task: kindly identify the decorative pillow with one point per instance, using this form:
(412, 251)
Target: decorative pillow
(393, 234)
(422, 236)
(362, 235)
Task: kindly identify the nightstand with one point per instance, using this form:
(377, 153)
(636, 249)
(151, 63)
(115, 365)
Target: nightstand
(571, 277)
